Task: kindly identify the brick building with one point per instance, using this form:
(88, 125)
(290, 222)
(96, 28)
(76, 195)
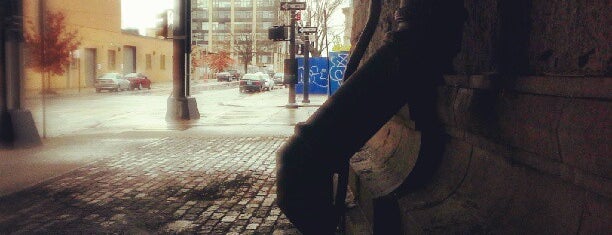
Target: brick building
(104, 46)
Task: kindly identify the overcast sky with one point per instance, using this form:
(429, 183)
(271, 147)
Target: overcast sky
(142, 13)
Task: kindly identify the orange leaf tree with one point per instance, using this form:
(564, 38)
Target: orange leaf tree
(219, 61)
(49, 54)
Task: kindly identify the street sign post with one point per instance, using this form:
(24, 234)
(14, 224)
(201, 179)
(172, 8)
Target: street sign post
(292, 6)
(307, 30)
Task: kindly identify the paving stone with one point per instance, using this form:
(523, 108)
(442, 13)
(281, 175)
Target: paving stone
(204, 185)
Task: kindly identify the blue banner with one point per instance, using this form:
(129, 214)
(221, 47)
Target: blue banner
(321, 80)
(318, 76)
(337, 63)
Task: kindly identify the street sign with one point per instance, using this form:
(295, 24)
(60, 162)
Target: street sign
(290, 6)
(307, 30)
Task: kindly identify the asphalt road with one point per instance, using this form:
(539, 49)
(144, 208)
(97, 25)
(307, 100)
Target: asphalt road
(116, 112)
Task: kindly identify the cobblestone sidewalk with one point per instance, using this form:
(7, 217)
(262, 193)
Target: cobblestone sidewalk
(190, 185)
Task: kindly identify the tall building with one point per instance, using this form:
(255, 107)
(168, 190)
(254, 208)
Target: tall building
(348, 23)
(237, 26)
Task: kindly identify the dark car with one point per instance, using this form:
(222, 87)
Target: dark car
(234, 73)
(223, 76)
(279, 78)
(138, 80)
(251, 82)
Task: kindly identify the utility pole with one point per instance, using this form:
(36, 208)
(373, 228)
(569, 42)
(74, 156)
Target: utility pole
(180, 105)
(292, 63)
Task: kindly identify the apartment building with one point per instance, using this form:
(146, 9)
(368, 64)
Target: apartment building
(235, 26)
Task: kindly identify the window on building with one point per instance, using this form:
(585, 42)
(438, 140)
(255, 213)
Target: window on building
(268, 15)
(148, 61)
(200, 3)
(222, 4)
(242, 26)
(224, 15)
(111, 60)
(265, 3)
(162, 62)
(244, 3)
(244, 14)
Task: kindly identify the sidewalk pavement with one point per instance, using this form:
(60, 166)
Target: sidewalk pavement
(202, 179)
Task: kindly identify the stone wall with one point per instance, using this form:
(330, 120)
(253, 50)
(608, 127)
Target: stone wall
(528, 112)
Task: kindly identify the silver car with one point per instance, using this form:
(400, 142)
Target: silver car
(268, 81)
(111, 82)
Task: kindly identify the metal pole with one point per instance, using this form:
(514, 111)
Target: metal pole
(306, 69)
(178, 42)
(291, 103)
(79, 72)
(180, 105)
(327, 52)
(41, 26)
(187, 12)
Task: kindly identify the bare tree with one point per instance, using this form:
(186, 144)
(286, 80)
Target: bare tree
(318, 14)
(246, 48)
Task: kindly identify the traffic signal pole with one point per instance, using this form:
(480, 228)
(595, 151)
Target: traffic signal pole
(293, 63)
(180, 105)
(306, 99)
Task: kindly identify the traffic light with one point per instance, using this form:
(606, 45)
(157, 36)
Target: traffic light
(278, 33)
(164, 24)
(298, 15)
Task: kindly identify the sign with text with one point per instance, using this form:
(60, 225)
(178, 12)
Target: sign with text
(307, 30)
(291, 6)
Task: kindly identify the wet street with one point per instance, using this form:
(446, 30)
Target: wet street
(111, 164)
(116, 112)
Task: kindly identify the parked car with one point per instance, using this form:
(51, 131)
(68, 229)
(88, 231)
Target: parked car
(223, 76)
(279, 78)
(251, 82)
(234, 73)
(111, 82)
(138, 80)
(268, 81)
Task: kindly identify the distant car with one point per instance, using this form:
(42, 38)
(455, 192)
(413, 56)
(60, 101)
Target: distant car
(111, 82)
(234, 73)
(251, 82)
(279, 78)
(138, 80)
(223, 76)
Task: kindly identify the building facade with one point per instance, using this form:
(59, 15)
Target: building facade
(104, 46)
(239, 27)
